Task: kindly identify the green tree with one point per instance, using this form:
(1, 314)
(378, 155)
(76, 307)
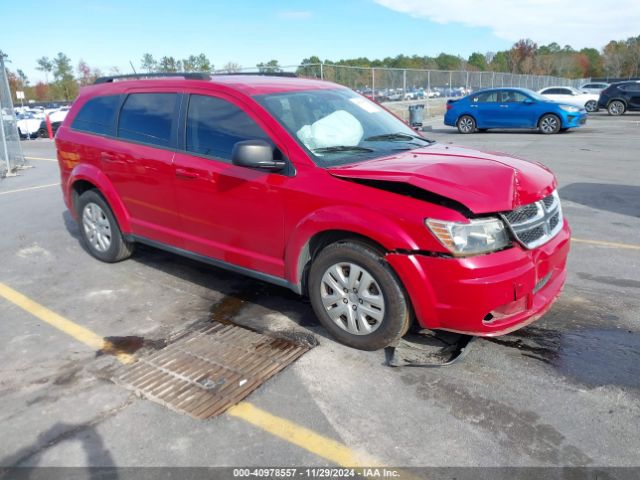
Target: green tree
(231, 67)
(478, 61)
(45, 65)
(65, 86)
(270, 67)
(444, 61)
(203, 64)
(169, 64)
(148, 63)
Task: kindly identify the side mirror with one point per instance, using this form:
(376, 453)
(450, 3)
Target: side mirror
(255, 154)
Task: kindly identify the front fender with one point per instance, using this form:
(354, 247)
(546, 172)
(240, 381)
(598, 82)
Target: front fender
(360, 221)
(95, 176)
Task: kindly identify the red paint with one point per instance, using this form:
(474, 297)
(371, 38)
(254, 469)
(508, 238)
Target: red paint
(264, 221)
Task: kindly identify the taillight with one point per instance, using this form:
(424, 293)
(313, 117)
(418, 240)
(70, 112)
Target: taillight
(449, 106)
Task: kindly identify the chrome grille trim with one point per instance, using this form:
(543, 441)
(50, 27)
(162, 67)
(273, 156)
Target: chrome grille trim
(536, 223)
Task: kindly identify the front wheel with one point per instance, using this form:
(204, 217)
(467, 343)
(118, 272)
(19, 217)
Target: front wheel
(591, 106)
(549, 124)
(616, 108)
(466, 124)
(357, 297)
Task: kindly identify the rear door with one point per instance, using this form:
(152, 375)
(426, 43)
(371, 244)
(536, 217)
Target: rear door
(516, 111)
(140, 164)
(484, 107)
(231, 213)
(633, 94)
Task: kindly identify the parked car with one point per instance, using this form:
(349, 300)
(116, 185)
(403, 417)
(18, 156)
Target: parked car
(593, 87)
(310, 186)
(28, 125)
(572, 96)
(43, 132)
(621, 97)
(512, 108)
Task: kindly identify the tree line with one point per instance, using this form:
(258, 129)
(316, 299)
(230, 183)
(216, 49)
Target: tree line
(617, 59)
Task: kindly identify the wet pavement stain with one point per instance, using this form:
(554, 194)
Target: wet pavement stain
(591, 356)
(129, 345)
(523, 430)
(616, 282)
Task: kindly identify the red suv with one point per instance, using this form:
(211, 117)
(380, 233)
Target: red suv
(309, 185)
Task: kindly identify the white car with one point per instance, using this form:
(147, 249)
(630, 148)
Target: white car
(28, 125)
(572, 96)
(593, 87)
(59, 115)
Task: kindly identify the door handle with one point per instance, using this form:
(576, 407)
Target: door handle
(504, 106)
(187, 174)
(473, 106)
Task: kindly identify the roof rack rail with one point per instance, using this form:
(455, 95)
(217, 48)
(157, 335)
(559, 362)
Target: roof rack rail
(264, 74)
(132, 76)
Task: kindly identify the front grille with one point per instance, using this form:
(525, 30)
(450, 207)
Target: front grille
(536, 223)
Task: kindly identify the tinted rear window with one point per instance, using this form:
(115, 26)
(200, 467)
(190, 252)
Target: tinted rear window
(147, 118)
(98, 115)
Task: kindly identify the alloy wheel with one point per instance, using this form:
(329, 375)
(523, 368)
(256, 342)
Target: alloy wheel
(96, 226)
(352, 298)
(549, 124)
(466, 125)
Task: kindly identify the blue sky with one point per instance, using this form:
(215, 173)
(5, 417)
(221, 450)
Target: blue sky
(110, 33)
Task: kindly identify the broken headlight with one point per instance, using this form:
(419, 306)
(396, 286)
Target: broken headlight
(473, 238)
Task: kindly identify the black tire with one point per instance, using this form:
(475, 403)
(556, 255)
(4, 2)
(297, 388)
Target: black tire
(119, 248)
(397, 310)
(591, 106)
(549, 124)
(466, 124)
(616, 108)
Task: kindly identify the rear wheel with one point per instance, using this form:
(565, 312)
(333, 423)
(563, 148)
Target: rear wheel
(357, 296)
(99, 230)
(616, 108)
(591, 106)
(549, 124)
(466, 124)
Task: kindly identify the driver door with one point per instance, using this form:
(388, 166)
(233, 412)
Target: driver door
(230, 213)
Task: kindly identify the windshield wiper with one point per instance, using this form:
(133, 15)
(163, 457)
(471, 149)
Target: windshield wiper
(397, 137)
(342, 148)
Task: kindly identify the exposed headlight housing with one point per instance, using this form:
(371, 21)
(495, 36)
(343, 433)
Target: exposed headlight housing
(569, 108)
(473, 238)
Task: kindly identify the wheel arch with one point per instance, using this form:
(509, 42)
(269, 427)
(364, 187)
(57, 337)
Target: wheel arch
(87, 177)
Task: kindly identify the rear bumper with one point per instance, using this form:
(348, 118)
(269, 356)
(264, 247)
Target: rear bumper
(485, 295)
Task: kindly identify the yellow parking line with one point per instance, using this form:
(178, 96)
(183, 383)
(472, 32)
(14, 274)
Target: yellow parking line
(602, 243)
(324, 447)
(40, 158)
(80, 333)
(26, 189)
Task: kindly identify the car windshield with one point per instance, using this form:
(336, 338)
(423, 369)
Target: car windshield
(338, 126)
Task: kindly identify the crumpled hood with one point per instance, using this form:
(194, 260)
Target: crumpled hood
(483, 182)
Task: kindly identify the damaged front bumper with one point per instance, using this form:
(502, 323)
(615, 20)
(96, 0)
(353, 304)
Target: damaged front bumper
(485, 295)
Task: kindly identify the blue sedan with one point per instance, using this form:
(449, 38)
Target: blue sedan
(512, 108)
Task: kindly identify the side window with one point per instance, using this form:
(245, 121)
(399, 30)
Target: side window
(147, 118)
(553, 91)
(98, 115)
(214, 126)
(486, 97)
(631, 87)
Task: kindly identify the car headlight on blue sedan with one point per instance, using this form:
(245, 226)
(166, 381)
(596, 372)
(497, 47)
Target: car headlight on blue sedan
(570, 108)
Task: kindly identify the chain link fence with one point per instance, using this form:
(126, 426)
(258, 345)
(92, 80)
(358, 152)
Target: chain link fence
(11, 157)
(397, 88)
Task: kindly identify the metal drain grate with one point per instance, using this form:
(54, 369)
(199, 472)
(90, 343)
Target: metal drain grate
(208, 371)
